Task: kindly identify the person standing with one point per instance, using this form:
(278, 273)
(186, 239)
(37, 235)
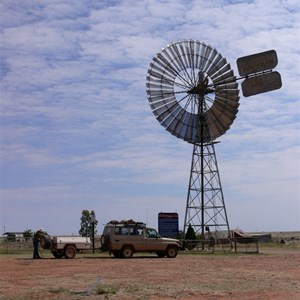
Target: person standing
(36, 240)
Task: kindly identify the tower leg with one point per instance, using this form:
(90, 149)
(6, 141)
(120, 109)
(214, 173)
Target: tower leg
(205, 206)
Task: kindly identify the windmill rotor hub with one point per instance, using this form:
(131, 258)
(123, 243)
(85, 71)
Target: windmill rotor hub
(202, 85)
(201, 89)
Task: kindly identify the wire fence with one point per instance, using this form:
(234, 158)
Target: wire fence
(236, 245)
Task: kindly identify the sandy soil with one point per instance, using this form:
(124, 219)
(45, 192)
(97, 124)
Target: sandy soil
(269, 275)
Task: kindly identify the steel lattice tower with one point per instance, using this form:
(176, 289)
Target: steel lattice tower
(205, 206)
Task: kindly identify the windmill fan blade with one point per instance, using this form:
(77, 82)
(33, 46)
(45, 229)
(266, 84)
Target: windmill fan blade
(185, 76)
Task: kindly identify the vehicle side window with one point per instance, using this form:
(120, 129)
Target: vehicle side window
(136, 230)
(131, 231)
(121, 231)
(140, 231)
(152, 233)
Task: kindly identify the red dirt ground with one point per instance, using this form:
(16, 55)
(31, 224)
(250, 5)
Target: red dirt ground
(269, 275)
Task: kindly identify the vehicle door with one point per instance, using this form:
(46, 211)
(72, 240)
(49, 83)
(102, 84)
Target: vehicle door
(137, 238)
(154, 241)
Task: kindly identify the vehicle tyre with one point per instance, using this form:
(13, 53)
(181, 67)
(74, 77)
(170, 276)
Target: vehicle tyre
(172, 251)
(161, 253)
(116, 253)
(57, 254)
(70, 251)
(127, 252)
(104, 242)
(45, 241)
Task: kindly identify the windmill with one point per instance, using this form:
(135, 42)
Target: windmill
(193, 93)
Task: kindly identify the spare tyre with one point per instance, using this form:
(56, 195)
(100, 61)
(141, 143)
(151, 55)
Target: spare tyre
(45, 241)
(105, 241)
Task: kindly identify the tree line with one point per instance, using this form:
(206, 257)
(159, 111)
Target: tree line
(88, 226)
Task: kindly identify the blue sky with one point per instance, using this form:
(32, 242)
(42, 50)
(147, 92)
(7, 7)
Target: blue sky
(77, 131)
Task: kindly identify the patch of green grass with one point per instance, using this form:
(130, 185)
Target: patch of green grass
(106, 290)
(57, 290)
(29, 296)
(15, 251)
(132, 288)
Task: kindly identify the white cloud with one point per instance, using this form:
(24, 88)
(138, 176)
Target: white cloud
(76, 125)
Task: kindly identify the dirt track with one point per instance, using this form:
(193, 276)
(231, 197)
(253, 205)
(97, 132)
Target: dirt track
(271, 275)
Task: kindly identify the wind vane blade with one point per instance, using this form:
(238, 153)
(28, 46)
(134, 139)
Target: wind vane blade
(257, 69)
(256, 63)
(261, 84)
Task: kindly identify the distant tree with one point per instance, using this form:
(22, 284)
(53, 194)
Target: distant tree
(86, 226)
(27, 234)
(190, 233)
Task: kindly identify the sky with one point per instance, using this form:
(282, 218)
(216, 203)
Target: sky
(77, 131)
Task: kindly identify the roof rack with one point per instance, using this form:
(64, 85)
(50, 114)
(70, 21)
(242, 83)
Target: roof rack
(127, 222)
